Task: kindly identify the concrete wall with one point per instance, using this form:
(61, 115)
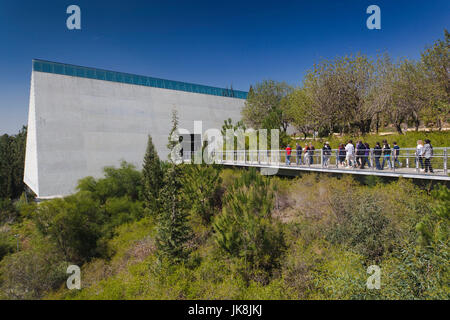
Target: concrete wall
(77, 126)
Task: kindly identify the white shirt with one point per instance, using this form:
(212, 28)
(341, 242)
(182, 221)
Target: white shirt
(350, 149)
(419, 151)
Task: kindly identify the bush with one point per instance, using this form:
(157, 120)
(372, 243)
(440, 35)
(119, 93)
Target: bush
(118, 182)
(6, 245)
(31, 274)
(73, 224)
(8, 212)
(245, 228)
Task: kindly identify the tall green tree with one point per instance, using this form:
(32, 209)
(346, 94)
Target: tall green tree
(245, 228)
(118, 182)
(436, 61)
(339, 91)
(173, 228)
(152, 176)
(203, 188)
(12, 162)
(299, 111)
(265, 100)
(412, 90)
(73, 224)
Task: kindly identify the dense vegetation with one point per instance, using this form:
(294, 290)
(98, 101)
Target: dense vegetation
(228, 234)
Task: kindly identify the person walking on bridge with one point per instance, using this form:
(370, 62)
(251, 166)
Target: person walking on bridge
(360, 152)
(311, 153)
(360, 148)
(326, 151)
(386, 154)
(367, 155)
(350, 154)
(396, 154)
(419, 155)
(377, 151)
(298, 148)
(342, 153)
(428, 154)
(288, 155)
(306, 154)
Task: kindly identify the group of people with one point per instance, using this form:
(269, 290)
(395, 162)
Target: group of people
(307, 151)
(424, 153)
(351, 156)
(357, 156)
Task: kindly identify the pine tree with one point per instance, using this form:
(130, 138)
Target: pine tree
(203, 186)
(152, 176)
(173, 229)
(245, 228)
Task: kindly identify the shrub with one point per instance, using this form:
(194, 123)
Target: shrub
(30, 274)
(245, 228)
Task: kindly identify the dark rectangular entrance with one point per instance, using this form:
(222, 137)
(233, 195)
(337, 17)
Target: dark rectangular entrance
(190, 143)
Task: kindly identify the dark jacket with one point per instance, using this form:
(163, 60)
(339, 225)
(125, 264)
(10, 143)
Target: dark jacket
(360, 149)
(387, 149)
(377, 151)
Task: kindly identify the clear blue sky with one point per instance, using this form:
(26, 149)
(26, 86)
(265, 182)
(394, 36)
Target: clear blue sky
(211, 42)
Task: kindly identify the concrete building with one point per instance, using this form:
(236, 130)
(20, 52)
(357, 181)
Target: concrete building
(83, 119)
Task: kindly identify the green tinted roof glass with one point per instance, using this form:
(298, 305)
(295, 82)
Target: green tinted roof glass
(93, 73)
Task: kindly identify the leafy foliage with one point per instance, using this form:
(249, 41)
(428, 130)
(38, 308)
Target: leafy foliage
(31, 274)
(118, 182)
(356, 94)
(203, 189)
(245, 228)
(263, 108)
(12, 161)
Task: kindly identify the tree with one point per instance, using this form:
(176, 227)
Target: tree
(266, 100)
(414, 90)
(228, 125)
(339, 91)
(204, 190)
(436, 62)
(173, 229)
(433, 229)
(12, 161)
(78, 225)
(381, 93)
(298, 110)
(118, 182)
(8, 212)
(6, 244)
(72, 224)
(245, 228)
(152, 175)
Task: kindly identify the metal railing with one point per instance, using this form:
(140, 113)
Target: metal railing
(406, 161)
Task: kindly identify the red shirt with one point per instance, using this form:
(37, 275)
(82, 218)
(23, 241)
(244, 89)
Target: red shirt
(288, 151)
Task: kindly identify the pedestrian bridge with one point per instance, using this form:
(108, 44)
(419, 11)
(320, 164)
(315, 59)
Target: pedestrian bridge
(405, 165)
